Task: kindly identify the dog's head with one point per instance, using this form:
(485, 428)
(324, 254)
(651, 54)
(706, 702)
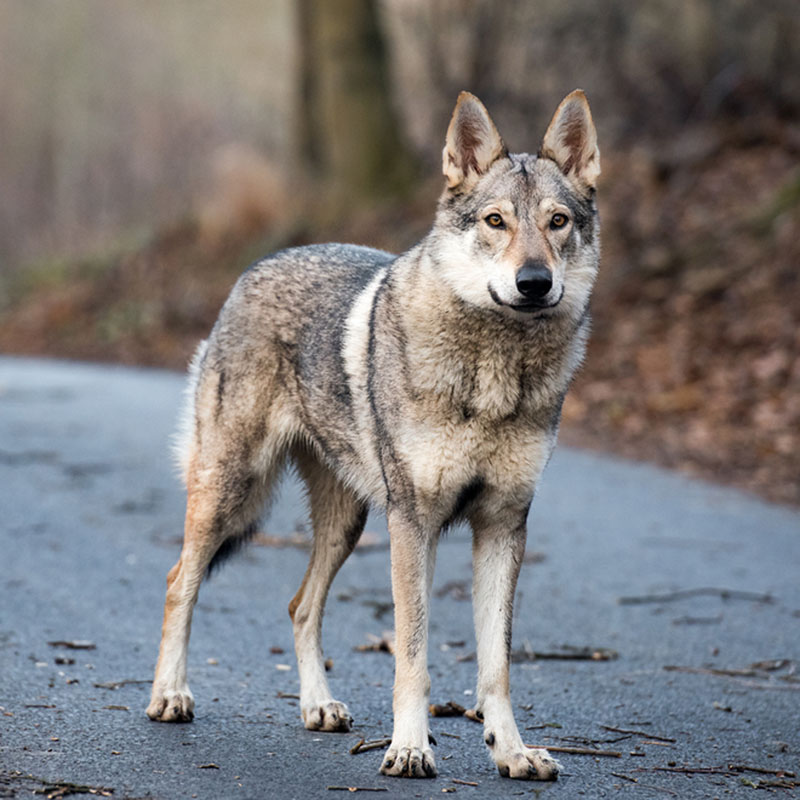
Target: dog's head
(519, 233)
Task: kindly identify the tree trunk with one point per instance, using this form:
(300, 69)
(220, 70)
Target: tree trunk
(348, 133)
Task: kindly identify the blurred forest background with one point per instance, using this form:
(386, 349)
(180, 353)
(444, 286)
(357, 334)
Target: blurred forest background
(149, 151)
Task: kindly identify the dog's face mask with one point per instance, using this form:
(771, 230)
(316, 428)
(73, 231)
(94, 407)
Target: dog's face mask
(519, 232)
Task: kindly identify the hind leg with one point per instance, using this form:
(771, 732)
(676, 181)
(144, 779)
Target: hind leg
(221, 509)
(337, 518)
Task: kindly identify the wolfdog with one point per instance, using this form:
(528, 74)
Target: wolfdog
(429, 384)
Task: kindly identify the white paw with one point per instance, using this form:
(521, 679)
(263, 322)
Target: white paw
(409, 762)
(171, 706)
(330, 715)
(531, 764)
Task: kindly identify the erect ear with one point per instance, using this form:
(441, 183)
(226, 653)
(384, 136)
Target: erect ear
(571, 140)
(472, 145)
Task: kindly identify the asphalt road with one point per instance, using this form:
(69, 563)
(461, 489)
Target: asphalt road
(90, 522)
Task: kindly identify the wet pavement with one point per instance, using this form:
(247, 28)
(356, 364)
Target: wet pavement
(690, 595)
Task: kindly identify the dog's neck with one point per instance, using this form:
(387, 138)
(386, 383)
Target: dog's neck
(478, 361)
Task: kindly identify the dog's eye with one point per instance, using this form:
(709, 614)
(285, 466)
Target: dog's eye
(558, 221)
(495, 220)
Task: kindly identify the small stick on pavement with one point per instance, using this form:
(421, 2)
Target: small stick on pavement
(740, 676)
(646, 734)
(688, 770)
(567, 653)
(761, 770)
(55, 790)
(576, 751)
(449, 709)
(119, 684)
(683, 594)
(464, 783)
(625, 777)
(362, 746)
(779, 784)
(73, 644)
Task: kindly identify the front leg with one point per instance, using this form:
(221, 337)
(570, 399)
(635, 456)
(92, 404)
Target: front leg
(413, 558)
(497, 550)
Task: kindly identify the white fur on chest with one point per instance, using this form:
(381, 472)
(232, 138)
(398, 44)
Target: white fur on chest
(443, 458)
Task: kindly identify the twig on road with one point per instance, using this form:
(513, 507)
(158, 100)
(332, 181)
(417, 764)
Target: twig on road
(56, 790)
(688, 770)
(73, 644)
(576, 751)
(638, 733)
(362, 746)
(119, 684)
(758, 670)
(706, 591)
(448, 709)
(566, 653)
(780, 773)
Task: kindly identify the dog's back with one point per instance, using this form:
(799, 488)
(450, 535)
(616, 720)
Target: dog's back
(273, 363)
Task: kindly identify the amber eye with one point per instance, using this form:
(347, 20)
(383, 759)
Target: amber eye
(558, 221)
(495, 220)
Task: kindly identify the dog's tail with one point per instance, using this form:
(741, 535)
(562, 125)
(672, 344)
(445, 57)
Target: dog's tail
(184, 435)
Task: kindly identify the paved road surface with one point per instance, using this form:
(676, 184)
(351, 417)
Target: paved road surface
(90, 521)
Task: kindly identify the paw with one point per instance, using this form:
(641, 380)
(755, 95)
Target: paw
(171, 706)
(328, 716)
(533, 764)
(409, 762)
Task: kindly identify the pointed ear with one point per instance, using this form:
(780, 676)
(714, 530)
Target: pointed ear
(571, 140)
(472, 145)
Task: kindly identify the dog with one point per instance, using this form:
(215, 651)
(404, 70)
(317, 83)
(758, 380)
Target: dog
(429, 384)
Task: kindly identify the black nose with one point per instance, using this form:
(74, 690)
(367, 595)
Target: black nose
(534, 279)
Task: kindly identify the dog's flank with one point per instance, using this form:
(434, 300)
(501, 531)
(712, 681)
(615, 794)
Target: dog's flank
(429, 384)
